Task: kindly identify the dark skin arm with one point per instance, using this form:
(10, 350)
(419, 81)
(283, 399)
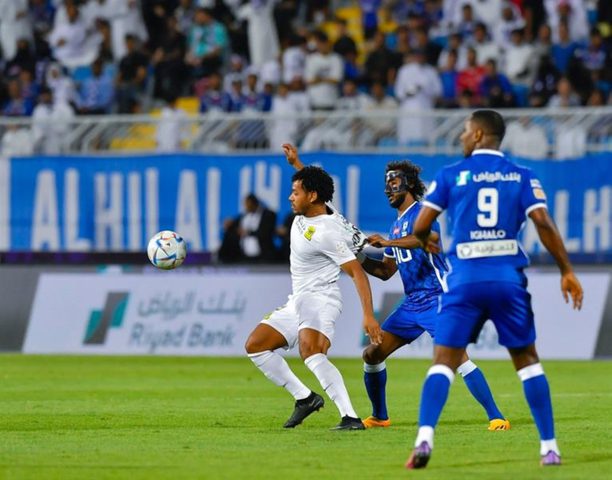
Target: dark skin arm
(549, 235)
(408, 242)
(383, 269)
(423, 223)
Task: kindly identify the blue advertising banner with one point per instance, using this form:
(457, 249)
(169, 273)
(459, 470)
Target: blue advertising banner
(104, 203)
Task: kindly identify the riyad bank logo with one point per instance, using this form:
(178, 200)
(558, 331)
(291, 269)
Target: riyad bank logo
(111, 316)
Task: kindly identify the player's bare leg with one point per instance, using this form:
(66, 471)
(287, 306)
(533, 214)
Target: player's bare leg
(433, 397)
(537, 393)
(313, 349)
(260, 347)
(375, 377)
(479, 388)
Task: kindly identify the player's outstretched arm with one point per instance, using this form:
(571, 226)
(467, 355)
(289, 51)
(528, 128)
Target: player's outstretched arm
(408, 242)
(549, 235)
(362, 284)
(384, 269)
(291, 154)
(423, 223)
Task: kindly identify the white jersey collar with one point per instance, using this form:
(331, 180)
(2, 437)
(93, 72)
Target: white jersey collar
(411, 205)
(487, 151)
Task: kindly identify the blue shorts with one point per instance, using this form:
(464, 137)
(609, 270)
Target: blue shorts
(467, 306)
(407, 324)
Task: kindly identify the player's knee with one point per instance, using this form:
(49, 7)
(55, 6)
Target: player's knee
(253, 345)
(372, 355)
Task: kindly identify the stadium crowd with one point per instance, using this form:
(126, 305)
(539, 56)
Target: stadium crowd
(67, 57)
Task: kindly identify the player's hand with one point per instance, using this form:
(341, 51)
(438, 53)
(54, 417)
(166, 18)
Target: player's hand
(372, 330)
(378, 241)
(433, 243)
(291, 154)
(570, 287)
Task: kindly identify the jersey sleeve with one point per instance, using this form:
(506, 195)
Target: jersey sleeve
(437, 193)
(532, 193)
(336, 246)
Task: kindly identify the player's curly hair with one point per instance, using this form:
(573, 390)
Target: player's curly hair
(315, 179)
(416, 187)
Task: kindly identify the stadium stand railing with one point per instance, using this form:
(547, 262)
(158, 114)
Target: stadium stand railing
(532, 133)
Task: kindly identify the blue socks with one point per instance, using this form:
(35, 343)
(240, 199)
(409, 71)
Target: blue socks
(434, 394)
(537, 394)
(375, 379)
(479, 388)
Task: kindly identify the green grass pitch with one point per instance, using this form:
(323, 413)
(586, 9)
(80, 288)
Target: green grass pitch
(183, 418)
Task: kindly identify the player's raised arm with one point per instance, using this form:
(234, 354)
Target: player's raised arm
(409, 242)
(549, 235)
(291, 154)
(362, 284)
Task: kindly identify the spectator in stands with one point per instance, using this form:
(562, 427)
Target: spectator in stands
(543, 44)
(466, 25)
(381, 63)
(564, 49)
(283, 231)
(471, 76)
(417, 88)
(571, 12)
(294, 58)
(344, 44)
(262, 34)
(215, 99)
(17, 105)
(51, 122)
(105, 49)
(422, 42)
(207, 43)
(15, 25)
(250, 236)
(252, 133)
(97, 91)
(380, 127)
(545, 83)
(24, 59)
(284, 128)
(172, 127)
(448, 78)
(41, 16)
(369, 16)
(61, 85)
(595, 57)
(184, 14)
(525, 139)
(565, 96)
(519, 66)
(495, 89)
(511, 20)
(73, 44)
(455, 44)
(16, 141)
(133, 74)
(323, 74)
(485, 49)
(236, 96)
(168, 61)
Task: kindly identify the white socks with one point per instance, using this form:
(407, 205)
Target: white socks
(466, 368)
(276, 369)
(548, 445)
(425, 434)
(330, 379)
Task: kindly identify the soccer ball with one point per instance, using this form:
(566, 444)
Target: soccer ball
(167, 250)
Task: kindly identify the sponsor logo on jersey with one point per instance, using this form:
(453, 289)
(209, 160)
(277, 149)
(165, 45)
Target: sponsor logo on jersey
(539, 194)
(490, 248)
(396, 231)
(310, 231)
(487, 234)
(535, 183)
(463, 178)
(491, 177)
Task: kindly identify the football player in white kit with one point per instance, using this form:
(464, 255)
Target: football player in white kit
(322, 243)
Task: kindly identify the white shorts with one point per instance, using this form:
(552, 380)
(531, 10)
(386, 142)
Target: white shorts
(317, 311)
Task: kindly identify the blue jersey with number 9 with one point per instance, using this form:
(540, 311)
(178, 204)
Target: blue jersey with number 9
(488, 199)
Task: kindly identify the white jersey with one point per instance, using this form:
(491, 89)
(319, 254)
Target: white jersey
(319, 245)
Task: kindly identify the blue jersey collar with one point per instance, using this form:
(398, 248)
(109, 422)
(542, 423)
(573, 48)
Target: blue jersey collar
(411, 205)
(486, 151)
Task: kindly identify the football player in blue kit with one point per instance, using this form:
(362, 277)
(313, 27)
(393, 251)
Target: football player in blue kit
(488, 199)
(422, 273)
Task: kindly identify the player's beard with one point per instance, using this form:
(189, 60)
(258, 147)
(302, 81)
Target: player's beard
(396, 200)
